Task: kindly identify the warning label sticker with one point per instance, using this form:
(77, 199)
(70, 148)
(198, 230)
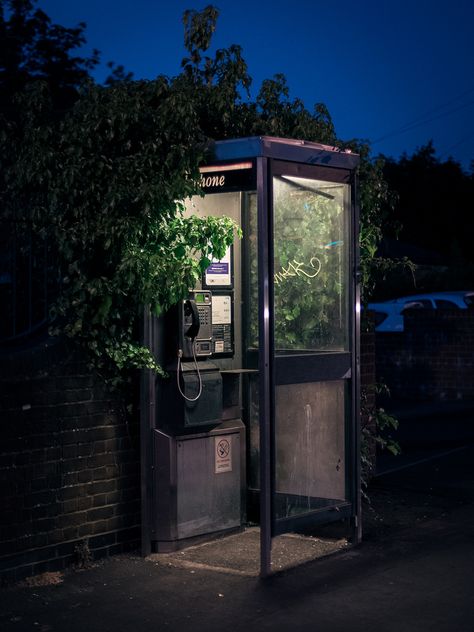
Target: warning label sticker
(223, 454)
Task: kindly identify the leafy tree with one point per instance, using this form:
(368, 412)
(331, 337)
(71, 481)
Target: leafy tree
(32, 48)
(434, 203)
(101, 181)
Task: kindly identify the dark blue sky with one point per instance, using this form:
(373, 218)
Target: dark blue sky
(395, 72)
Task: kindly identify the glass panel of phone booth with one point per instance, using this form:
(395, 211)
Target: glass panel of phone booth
(310, 265)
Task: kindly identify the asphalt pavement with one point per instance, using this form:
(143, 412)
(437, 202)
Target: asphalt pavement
(414, 571)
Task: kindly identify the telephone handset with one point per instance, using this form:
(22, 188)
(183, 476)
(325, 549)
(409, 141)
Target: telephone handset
(191, 322)
(195, 334)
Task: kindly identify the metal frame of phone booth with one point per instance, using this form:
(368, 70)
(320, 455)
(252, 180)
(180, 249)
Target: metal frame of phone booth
(308, 387)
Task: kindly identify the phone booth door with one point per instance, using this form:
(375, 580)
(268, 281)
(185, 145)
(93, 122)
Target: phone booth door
(307, 349)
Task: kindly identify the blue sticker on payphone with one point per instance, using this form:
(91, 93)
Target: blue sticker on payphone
(219, 273)
(218, 267)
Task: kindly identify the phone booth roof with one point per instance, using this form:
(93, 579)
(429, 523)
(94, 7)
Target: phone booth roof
(292, 150)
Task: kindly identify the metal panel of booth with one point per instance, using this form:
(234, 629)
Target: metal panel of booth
(208, 500)
(199, 483)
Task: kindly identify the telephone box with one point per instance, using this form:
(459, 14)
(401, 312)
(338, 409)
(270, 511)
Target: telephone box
(259, 418)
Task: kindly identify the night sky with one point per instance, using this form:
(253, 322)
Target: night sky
(397, 73)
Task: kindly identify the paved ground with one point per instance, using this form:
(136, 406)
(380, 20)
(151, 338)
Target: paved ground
(240, 553)
(413, 572)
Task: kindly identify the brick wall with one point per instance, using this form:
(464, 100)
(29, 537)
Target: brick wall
(432, 360)
(69, 463)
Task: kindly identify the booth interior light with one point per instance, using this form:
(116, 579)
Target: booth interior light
(233, 167)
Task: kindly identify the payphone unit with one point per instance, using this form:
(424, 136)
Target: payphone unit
(195, 325)
(194, 337)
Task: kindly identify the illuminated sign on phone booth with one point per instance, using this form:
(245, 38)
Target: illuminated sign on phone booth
(259, 419)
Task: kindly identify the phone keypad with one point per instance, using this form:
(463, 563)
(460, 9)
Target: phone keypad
(204, 315)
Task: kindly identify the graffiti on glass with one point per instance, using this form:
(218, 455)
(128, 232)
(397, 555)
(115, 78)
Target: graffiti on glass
(298, 268)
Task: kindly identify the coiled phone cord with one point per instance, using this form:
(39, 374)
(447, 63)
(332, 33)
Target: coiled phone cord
(180, 355)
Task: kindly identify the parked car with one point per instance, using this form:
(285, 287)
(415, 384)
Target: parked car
(389, 314)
